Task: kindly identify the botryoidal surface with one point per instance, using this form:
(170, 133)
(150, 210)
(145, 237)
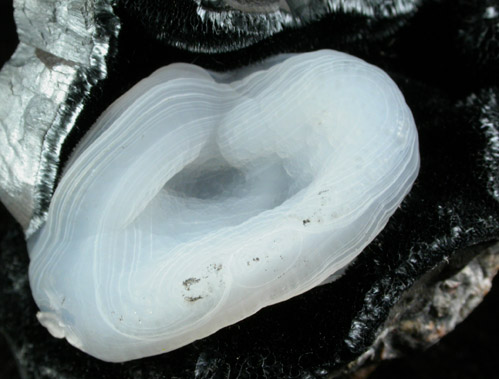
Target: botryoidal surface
(242, 190)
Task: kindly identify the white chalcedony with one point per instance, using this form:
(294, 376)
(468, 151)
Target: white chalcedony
(198, 198)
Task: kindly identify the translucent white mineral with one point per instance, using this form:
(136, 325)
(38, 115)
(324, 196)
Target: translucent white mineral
(198, 198)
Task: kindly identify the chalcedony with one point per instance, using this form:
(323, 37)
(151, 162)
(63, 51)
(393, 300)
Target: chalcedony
(199, 197)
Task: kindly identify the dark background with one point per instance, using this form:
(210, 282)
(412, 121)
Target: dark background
(469, 352)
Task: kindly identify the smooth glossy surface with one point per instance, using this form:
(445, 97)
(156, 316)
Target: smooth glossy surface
(199, 198)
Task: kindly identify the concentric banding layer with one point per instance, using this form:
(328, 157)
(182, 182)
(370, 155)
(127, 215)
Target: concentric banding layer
(198, 198)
